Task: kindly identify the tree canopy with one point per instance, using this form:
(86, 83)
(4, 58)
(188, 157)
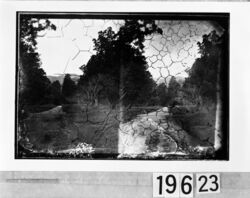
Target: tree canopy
(68, 86)
(203, 74)
(33, 83)
(120, 56)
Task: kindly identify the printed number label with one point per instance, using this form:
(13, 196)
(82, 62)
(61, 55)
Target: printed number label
(186, 185)
(208, 183)
(172, 185)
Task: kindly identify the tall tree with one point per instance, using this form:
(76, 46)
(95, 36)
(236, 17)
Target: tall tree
(173, 89)
(205, 76)
(33, 85)
(96, 87)
(56, 92)
(33, 82)
(161, 91)
(203, 73)
(68, 86)
(120, 55)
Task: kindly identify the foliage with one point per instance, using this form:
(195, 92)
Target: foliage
(203, 74)
(168, 95)
(33, 83)
(56, 93)
(161, 91)
(173, 91)
(120, 56)
(68, 87)
(96, 87)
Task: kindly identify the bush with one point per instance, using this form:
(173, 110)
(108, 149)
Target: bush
(179, 110)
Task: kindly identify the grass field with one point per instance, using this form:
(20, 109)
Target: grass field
(73, 124)
(95, 126)
(199, 124)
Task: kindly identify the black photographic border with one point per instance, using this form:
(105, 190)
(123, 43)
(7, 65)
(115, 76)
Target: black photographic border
(223, 19)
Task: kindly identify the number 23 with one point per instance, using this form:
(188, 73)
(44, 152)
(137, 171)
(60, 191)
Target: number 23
(211, 185)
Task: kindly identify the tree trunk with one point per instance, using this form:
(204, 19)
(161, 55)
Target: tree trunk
(218, 136)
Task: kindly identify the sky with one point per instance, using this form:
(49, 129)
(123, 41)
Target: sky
(170, 54)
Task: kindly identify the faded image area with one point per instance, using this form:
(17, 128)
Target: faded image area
(122, 87)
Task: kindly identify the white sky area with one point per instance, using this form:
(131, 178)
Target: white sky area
(170, 54)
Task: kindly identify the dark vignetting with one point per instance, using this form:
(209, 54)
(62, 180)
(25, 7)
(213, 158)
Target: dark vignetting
(122, 86)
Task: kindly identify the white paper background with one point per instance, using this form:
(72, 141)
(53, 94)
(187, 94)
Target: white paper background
(239, 87)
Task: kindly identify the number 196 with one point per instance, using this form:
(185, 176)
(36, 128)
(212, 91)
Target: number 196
(173, 185)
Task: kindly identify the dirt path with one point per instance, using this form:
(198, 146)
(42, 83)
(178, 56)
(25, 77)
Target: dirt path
(164, 119)
(158, 116)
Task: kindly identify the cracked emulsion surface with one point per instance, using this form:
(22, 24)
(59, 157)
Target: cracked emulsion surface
(170, 54)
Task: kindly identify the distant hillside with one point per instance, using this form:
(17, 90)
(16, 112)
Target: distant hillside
(60, 78)
(179, 79)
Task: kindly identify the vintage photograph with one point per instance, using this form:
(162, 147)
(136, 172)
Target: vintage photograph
(134, 86)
